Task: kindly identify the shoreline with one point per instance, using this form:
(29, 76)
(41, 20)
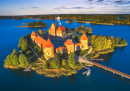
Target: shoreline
(31, 26)
(78, 21)
(103, 24)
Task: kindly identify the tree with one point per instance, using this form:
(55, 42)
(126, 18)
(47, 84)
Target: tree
(63, 62)
(45, 66)
(13, 58)
(71, 61)
(28, 37)
(116, 41)
(23, 61)
(40, 32)
(23, 44)
(55, 62)
(44, 32)
(123, 41)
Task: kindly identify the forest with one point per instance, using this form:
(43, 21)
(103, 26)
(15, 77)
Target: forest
(120, 19)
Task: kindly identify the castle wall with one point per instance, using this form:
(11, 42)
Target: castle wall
(84, 44)
(49, 52)
(70, 48)
(33, 38)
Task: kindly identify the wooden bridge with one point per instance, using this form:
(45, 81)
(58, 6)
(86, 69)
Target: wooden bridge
(112, 70)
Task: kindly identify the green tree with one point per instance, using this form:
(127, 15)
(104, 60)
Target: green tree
(123, 41)
(45, 66)
(28, 37)
(13, 58)
(44, 32)
(116, 41)
(40, 32)
(71, 61)
(23, 61)
(55, 62)
(23, 44)
(63, 62)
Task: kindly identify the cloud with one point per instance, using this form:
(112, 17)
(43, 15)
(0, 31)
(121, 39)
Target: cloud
(99, 0)
(34, 7)
(63, 7)
(121, 2)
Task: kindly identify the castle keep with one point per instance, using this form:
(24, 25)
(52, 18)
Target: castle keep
(69, 47)
(54, 31)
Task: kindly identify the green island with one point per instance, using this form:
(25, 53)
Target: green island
(60, 64)
(105, 19)
(35, 24)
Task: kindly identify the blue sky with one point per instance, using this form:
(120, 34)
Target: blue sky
(35, 7)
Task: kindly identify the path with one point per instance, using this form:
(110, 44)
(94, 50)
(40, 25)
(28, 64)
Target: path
(36, 54)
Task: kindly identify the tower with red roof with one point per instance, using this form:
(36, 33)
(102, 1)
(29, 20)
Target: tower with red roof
(70, 46)
(48, 49)
(84, 42)
(52, 30)
(33, 36)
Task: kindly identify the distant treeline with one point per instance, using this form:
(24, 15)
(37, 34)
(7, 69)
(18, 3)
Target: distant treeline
(98, 18)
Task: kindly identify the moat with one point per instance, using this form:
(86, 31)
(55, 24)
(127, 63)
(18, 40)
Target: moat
(119, 60)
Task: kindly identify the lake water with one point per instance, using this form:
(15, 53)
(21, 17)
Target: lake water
(98, 80)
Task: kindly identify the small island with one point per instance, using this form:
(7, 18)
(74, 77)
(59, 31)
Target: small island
(37, 52)
(34, 24)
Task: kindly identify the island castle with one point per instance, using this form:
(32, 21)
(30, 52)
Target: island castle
(48, 48)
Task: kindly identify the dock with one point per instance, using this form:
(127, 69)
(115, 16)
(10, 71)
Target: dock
(28, 68)
(97, 59)
(85, 71)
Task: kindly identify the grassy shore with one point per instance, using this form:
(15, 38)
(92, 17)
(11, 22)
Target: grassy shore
(12, 66)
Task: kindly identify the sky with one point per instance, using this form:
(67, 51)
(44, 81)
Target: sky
(40, 7)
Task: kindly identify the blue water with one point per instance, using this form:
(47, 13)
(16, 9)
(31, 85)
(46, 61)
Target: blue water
(99, 80)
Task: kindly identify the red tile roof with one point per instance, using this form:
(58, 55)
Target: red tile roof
(84, 37)
(69, 42)
(49, 43)
(77, 44)
(61, 28)
(54, 24)
(40, 40)
(50, 28)
(33, 34)
(60, 48)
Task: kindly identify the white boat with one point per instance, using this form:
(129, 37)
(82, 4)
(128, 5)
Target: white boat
(88, 73)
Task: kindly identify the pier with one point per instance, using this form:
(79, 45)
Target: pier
(112, 70)
(28, 68)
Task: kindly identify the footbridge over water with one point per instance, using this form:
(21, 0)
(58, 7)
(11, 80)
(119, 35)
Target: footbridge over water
(83, 59)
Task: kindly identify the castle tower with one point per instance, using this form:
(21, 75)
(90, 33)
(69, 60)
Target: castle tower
(52, 30)
(84, 42)
(48, 49)
(70, 46)
(33, 36)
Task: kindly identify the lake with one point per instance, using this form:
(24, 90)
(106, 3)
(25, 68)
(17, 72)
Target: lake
(98, 80)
